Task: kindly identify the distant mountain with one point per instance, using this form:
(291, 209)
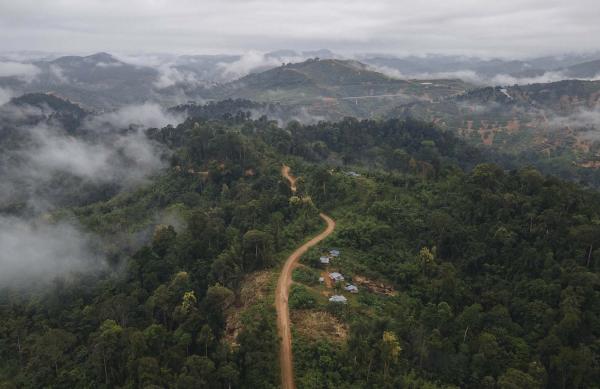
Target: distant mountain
(47, 108)
(589, 69)
(98, 80)
(206, 69)
(99, 69)
(422, 66)
(335, 88)
(486, 71)
(325, 84)
(103, 81)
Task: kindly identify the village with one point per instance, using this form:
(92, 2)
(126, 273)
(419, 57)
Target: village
(329, 279)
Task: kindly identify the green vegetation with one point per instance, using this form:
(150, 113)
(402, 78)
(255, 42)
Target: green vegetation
(158, 316)
(543, 125)
(496, 273)
(306, 276)
(301, 298)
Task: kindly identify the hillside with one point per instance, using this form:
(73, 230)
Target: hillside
(589, 69)
(40, 108)
(551, 125)
(335, 88)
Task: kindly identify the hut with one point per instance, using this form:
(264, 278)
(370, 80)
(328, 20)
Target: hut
(338, 299)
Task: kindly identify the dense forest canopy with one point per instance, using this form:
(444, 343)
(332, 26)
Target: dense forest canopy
(495, 271)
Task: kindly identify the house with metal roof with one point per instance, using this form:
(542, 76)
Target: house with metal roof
(324, 260)
(334, 253)
(338, 299)
(336, 277)
(351, 288)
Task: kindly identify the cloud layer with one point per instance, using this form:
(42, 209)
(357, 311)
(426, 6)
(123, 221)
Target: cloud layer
(35, 252)
(24, 71)
(146, 115)
(479, 79)
(5, 95)
(511, 27)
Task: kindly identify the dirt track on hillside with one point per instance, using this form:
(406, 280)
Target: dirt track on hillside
(285, 172)
(283, 290)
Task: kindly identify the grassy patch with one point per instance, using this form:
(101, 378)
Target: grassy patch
(306, 275)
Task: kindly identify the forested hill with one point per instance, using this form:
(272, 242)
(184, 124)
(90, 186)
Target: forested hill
(493, 274)
(549, 125)
(332, 88)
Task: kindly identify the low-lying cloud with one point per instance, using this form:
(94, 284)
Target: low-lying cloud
(587, 120)
(5, 95)
(145, 115)
(24, 71)
(252, 61)
(123, 160)
(550, 76)
(35, 252)
(58, 74)
(475, 78)
(170, 76)
(50, 167)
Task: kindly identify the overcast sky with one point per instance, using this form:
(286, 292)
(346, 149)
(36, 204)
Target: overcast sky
(517, 28)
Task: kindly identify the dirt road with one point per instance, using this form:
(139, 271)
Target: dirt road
(283, 290)
(285, 172)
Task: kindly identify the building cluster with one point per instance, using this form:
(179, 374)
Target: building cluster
(336, 277)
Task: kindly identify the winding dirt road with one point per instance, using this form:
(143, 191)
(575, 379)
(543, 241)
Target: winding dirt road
(283, 290)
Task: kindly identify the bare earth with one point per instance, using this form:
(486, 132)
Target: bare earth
(285, 171)
(283, 290)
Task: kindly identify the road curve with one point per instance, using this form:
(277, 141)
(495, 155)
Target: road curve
(282, 293)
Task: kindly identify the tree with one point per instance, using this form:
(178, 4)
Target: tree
(390, 350)
(52, 347)
(197, 372)
(206, 337)
(587, 235)
(426, 259)
(257, 250)
(516, 379)
(148, 372)
(107, 347)
(228, 375)
(163, 239)
(217, 300)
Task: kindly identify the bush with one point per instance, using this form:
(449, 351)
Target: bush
(300, 298)
(306, 276)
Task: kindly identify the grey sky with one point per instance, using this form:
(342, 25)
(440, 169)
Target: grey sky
(518, 28)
